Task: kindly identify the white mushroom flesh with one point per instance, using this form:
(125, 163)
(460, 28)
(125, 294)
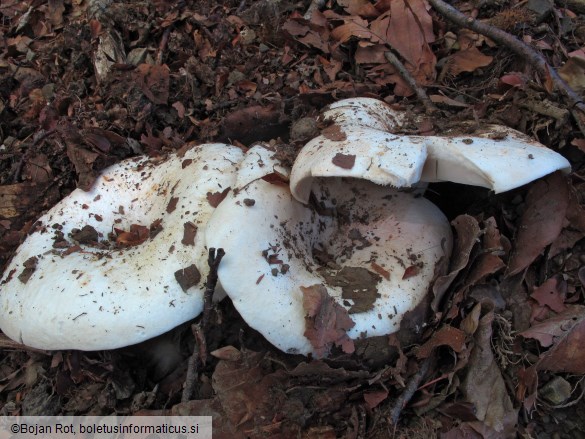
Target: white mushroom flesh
(363, 112)
(500, 159)
(275, 245)
(101, 296)
(375, 155)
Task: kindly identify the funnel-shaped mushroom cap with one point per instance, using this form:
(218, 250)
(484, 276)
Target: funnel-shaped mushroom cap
(364, 112)
(375, 155)
(58, 293)
(373, 248)
(498, 158)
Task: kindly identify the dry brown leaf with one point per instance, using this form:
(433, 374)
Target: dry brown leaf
(446, 336)
(135, 236)
(565, 333)
(551, 294)
(573, 71)
(217, 197)
(154, 82)
(408, 28)
(483, 384)
(354, 27)
(371, 54)
(467, 60)
(441, 99)
(363, 8)
(344, 161)
(326, 322)
(541, 222)
(374, 398)
(331, 66)
(467, 233)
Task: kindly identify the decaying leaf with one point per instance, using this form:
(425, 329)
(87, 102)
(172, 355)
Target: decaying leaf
(135, 236)
(154, 82)
(541, 222)
(565, 335)
(551, 294)
(573, 71)
(217, 197)
(467, 234)
(374, 398)
(335, 132)
(483, 384)
(467, 60)
(189, 233)
(188, 277)
(446, 336)
(358, 285)
(249, 395)
(326, 322)
(344, 161)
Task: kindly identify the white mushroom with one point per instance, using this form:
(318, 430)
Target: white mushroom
(375, 250)
(61, 294)
(361, 144)
(497, 158)
(365, 113)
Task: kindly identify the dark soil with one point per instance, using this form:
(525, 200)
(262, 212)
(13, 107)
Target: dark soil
(247, 71)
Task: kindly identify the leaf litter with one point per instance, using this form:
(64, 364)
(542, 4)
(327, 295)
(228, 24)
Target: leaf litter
(82, 90)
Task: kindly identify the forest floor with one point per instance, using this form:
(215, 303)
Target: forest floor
(87, 83)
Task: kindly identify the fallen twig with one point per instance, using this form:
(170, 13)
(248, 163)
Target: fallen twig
(411, 387)
(430, 108)
(163, 45)
(6, 344)
(192, 367)
(213, 261)
(199, 355)
(576, 104)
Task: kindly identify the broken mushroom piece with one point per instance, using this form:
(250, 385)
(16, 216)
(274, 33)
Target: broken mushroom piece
(497, 158)
(360, 144)
(123, 262)
(374, 250)
(363, 112)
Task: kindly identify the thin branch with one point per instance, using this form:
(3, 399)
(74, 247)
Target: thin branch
(199, 355)
(192, 368)
(162, 45)
(430, 108)
(535, 58)
(411, 387)
(213, 260)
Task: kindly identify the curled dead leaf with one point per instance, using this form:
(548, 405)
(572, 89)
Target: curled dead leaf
(326, 322)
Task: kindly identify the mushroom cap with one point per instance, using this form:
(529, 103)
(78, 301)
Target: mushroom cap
(498, 158)
(92, 297)
(285, 245)
(364, 112)
(363, 152)
(362, 146)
